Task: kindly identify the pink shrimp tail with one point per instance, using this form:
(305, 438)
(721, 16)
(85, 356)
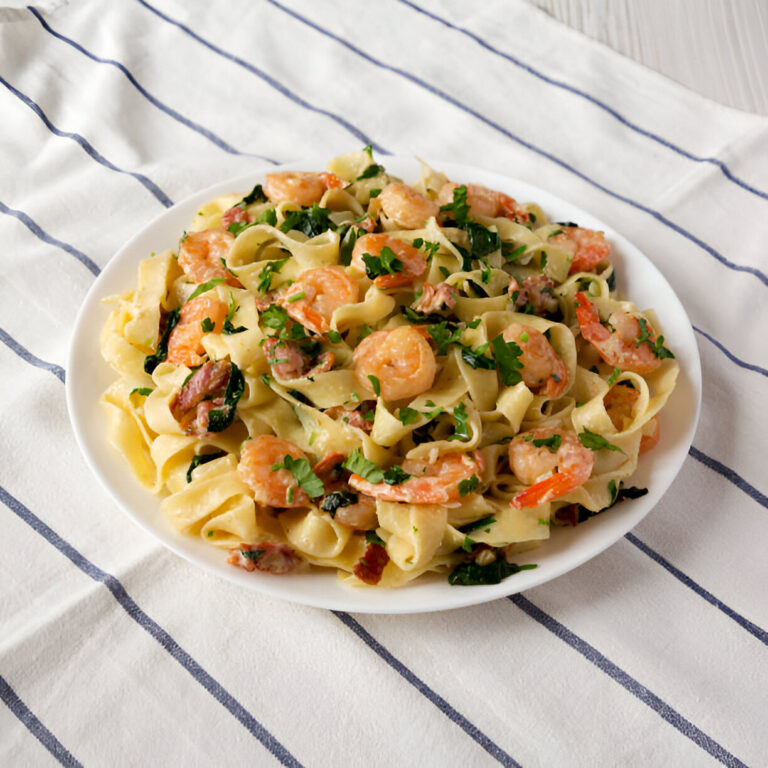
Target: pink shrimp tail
(589, 320)
(546, 490)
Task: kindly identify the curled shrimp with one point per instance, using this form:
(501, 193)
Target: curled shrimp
(271, 487)
(414, 262)
(200, 255)
(316, 294)
(587, 246)
(544, 371)
(300, 187)
(430, 483)
(551, 469)
(400, 358)
(484, 202)
(185, 344)
(619, 347)
(405, 206)
(619, 405)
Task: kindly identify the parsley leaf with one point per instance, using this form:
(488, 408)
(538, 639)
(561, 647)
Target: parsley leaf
(334, 337)
(510, 253)
(203, 287)
(459, 207)
(311, 221)
(337, 499)
(386, 263)
(475, 358)
(484, 523)
(270, 269)
(310, 483)
(467, 486)
(256, 195)
(471, 574)
(507, 355)
(444, 334)
(395, 475)
(143, 391)
(371, 537)
(615, 375)
(482, 240)
(407, 416)
(207, 325)
(596, 442)
(657, 347)
(376, 384)
(460, 416)
(228, 328)
(371, 171)
(359, 465)
(553, 442)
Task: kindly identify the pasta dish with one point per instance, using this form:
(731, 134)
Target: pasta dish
(342, 370)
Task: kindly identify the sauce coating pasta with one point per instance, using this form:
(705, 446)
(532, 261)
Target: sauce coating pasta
(343, 370)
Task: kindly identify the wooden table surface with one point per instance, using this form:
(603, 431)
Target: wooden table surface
(718, 48)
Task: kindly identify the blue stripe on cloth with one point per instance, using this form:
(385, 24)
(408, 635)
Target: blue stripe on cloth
(38, 231)
(210, 135)
(594, 100)
(729, 474)
(637, 689)
(532, 147)
(87, 147)
(471, 730)
(356, 132)
(128, 604)
(26, 355)
(34, 726)
(731, 356)
(753, 629)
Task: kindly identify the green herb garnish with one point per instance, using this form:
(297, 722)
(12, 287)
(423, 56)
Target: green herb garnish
(307, 480)
(596, 442)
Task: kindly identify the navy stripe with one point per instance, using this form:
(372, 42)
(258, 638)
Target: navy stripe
(26, 355)
(532, 147)
(210, 135)
(729, 474)
(34, 726)
(594, 100)
(475, 733)
(87, 147)
(356, 132)
(38, 231)
(127, 603)
(731, 356)
(650, 699)
(753, 629)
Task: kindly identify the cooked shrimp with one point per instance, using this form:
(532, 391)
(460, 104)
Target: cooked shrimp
(618, 347)
(435, 483)
(587, 246)
(435, 298)
(234, 214)
(185, 344)
(484, 202)
(413, 261)
(619, 405)
(360, 515)
(316, 294)
(536, 292)
(200, 255)
(271, 487)
(300, 187)
(550, 470)
(543, 369)
(400, 358)
(408, 208)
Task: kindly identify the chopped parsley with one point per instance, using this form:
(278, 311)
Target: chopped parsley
(371, 537)
(512, 253)
(615, 375)
(478, 524)
(460, 416)
(468, 544)
(334, 337)
(386, 263)
(475, 358)
(444, 334)
(553, 442)
(468, 486)
(371, 171)
(596, 442)
(507, 355)
(375, 384)
(143, 391)
(228, 328)
(307, 480)
(203, 287)
(657, 347)
(311, 221)
(359, 465)
(270, 269)
(207, 325)
(337, 499)
(256, 195)
(472, 574)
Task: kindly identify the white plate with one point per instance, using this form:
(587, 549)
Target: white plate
(88, 376)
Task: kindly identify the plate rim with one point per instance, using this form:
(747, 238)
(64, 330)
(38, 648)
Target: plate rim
(404, 599)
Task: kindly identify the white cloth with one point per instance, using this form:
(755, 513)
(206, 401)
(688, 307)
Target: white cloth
(115, 652)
